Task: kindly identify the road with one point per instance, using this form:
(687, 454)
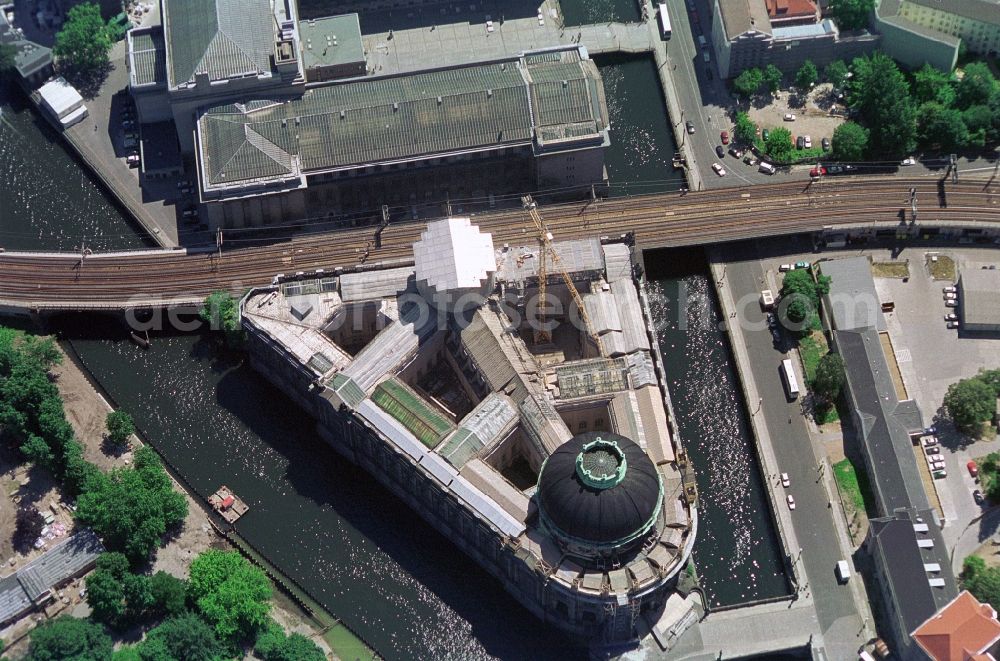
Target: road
(821, 545)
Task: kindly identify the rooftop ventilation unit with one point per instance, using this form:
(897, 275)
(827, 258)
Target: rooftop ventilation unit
(439, 100)
(343, 114)
(395, 107)
(489, 93)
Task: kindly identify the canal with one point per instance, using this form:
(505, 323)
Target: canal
(738, 554)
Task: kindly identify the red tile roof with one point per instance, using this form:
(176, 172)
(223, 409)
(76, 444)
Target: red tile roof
(790, 8)
(961, 631)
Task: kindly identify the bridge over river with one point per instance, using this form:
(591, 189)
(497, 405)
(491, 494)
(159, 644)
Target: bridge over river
(968, 210)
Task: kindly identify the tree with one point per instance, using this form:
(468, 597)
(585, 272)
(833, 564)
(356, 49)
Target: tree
(8, 59)
(979, 122)
(169, 593)
(132, 508)
(851, 14)
(185, 636)
(28, 527)
(127, 653)
(779, 144)
(806, 76)
(221, 312)
(879, 92)
(231, 593)
(830, 377)
(931, 84)
(941, 128)
(836, 72)
(67, 637)
(850, 142)
(748, 82)
(976, 86)
(745, 131)
(982, 581)
(120, 427)
(83, 44)
(105, 594)
(972, 566)
(772, 78)
(970, 402)
(273, 645)
(800, 295)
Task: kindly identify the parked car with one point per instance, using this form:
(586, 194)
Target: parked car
(933, 450)
(786, 267)
(940, 474)
(802, 265)
(825, 142)
(766, 168)
(130, 142)
(928, 441)
(790, 501)
(909, 160)
(808, 141)
(843, 571)
(840, 169)
(765, 134)
(190, 213)
(953, 325)
(951, 316)
(950, 295)
(133, 160)
(800, 142)
(951, 303)
(973, 468)
(690, 127)
(749, 158)
(930, 430)
(489, 24)
(977, 496)
(719, 170)
(735, 152)
(785, 481)
(724, 136)
(720, 151)
(950, 289)
(789, 117)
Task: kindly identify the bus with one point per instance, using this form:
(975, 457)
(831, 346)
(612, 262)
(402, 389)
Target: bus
(664, 21)
(788, 376)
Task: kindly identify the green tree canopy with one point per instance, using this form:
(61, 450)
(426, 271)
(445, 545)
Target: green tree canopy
(221, 312)
(273, 645)
(748, 82)
(982, 581)
(941, 128)
(979, 122)
(836, 72)
(932, 84)
(83, 43)
(806, 76)
(772, 78)
(116, 596)
(120, 427)
(185, 636)
(8, 59)
(879, 91)
(850, 142)
(169, 593)
(800, 295)
(744, 131)
(779, 144)
(69, 639)
(976, 86)
(970, 402)
(131, 508)
(830, 377)
(851, 14)
(231, 593)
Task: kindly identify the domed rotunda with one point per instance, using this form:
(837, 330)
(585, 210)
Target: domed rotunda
(598, 493)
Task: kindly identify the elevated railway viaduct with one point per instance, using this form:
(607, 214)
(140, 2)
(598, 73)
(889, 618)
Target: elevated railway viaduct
(967, 210)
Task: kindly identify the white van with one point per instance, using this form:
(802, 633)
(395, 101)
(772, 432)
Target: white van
(766, 168)
(701, 41)
(766, 300)
(843, 571)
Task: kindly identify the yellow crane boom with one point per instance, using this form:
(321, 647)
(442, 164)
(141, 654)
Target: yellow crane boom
(546, 250)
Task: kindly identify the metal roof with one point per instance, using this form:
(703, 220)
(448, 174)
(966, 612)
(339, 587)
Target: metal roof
(331, 41)
(147, 55)
(223, 38)
(980, 299)
(412, 411)
(367, 121)
(852, 301)
(453, 254)
(987, 11)
(491, 418)
(375, 285)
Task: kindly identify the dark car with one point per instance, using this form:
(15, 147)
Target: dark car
(977, 496)
(825, 142)
(765, 134)
(708, 72)
(840, 169)
(800, 142)
(720, 151)
(690, 127)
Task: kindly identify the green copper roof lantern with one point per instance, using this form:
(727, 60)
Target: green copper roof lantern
(601, 464)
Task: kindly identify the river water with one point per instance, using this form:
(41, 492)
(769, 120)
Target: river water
(362, 553)
(737, 555)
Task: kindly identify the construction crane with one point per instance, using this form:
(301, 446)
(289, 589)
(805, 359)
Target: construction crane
(542, 334)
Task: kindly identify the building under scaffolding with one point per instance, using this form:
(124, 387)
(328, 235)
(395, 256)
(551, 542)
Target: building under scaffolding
(553, 465)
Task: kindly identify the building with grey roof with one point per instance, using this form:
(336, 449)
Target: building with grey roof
(32, 585)
(743, 37)
(852, 301)
(332, 48)
(918, 32)
(33, 62)
(912, 570)
(546, 107)
(553, 465)
(979, 298)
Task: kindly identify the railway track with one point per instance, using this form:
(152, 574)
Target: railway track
(66, 281)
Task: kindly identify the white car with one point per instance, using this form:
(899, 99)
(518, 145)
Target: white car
(951, 316)
(951, 303)
(808, 141)
(790, 501)
(909, 160)
(949, 290)
(928, 441)
(785, 482)
(489, 24)
(789, 117)
(719, 170)
(950, 296)
(784, 268)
